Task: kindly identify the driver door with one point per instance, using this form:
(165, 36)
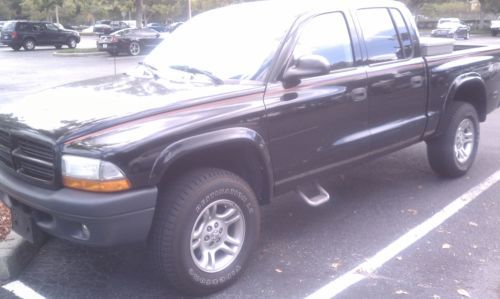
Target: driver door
(322, 122)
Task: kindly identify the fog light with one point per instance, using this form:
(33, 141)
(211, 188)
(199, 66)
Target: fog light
(85, 231)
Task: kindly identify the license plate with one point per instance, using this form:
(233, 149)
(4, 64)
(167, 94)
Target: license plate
(104, 46)
(22, 223)
(6, 37)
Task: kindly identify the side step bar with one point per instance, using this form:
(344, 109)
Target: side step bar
(317, 200)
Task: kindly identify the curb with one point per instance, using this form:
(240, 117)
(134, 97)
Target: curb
(79, 54)
(15, 254)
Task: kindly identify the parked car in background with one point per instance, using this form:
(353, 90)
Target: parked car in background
(495, 27)
(1, 24)
(173, 26)
(451, 28)
(28, 34)
(131, 41)
(158, 27)
(102, 27)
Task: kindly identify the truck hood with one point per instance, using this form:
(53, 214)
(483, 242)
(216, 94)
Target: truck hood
(72, 110)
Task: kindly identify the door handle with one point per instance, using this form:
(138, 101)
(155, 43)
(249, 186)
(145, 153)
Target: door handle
(417, 81)
(359, 94)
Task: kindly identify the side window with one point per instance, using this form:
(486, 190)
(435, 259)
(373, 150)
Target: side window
(381, 38)
(39, 27)
(326, 35)
(23, 27)
(52, 27)
(404, 33)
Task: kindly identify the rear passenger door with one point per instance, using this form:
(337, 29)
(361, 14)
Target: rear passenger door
(322, 122)
(397, 85)
(41, 34)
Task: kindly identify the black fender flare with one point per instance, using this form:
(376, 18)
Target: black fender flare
(197, 143)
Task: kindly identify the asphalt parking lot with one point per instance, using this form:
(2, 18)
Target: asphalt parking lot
(302, 249)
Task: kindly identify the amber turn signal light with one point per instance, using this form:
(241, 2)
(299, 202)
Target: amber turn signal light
(97, 186)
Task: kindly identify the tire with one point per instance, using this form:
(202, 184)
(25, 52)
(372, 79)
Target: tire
(58, 46)
(16, 48)
(29, 44)
(494, 33)
(71, 43)
(181, 213)
(134, 48)
(443, 156)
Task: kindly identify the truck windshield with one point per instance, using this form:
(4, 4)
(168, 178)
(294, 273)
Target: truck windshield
(232, 43)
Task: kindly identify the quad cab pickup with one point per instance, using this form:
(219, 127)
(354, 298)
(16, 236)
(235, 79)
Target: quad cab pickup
(228, 113)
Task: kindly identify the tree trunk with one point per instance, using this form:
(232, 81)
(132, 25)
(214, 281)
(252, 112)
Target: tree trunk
(138, 13)
(57, 14)
(481, 14)
(189, 9)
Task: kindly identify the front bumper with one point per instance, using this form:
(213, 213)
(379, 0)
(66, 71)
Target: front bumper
(448, 34)
(109, 47)
(111, 219)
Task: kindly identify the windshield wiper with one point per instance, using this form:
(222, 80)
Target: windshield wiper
(193, 70)
(152, 69)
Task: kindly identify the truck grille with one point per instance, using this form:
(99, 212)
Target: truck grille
(30, 158)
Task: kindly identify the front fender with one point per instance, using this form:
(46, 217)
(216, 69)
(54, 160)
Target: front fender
(193, 144)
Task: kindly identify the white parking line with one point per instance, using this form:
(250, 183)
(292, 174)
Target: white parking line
(22, 291)
(363, 270)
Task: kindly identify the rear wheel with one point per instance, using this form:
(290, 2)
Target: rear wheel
(206, 227)
(16, 48)
(58, 46)
(29, 44)
(494, 33)
(452, 153)
(134, 48)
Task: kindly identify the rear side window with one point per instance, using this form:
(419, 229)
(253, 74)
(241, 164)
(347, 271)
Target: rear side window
(326, 35)
(39, 27)
(381, 38)
(24, 27)
(404, 33)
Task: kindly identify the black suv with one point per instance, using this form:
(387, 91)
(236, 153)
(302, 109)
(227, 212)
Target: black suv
(26, 34)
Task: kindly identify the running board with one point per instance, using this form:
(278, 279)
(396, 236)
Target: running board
(317, 200)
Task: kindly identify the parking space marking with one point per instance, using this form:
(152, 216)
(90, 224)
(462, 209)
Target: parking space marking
(22, 291)
(363, 270)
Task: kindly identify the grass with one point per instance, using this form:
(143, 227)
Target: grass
(5, 221)
(77, 51)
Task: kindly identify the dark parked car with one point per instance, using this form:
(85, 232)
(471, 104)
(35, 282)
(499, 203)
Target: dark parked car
(131, 41)
(27, 34)
(229, 113)
(451, 28)
(173, 26)
(158, 27)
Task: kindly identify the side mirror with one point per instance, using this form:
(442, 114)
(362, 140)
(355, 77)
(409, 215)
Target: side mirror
(306, 66)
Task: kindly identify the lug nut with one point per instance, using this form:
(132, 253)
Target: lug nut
(206, 238)
(209, 229)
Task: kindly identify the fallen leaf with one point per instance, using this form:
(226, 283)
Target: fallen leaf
(278, 270)
(436, 297)
(412, 211)
(401, 292)
(463, 293)
(335, 265)
(399, 258)
(471, 223)
(446, 246)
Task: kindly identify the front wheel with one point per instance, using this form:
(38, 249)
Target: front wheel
(452, 153)
(134, 48)
(71, 43)
(206, 227)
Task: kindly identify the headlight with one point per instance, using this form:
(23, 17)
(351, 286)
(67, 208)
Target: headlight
(92, 175)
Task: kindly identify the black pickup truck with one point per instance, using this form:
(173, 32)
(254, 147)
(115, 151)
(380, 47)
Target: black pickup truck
(228, 113)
